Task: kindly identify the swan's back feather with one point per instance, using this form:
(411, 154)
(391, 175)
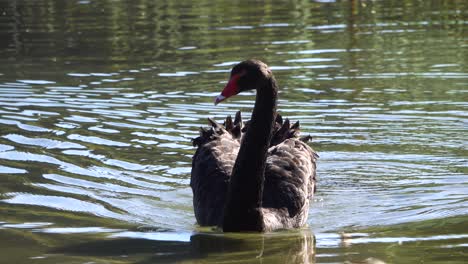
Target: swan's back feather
(289, 183)
(289, 174)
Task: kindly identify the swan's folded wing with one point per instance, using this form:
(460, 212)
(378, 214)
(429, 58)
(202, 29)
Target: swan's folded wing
(211, 169)
(290, 179)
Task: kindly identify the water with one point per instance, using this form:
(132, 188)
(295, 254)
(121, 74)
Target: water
(99, 101)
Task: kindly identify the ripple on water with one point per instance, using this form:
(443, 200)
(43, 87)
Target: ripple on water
(81, 119)
(43, 142)
(127, 125)
(10, 170)
(158, 236)
(388, 121)
(130, 171)
(177, 74)
(22, 126)
(104, 130)
(326, 240)
(35, 82)
(99, 189)
(78, 230)
(4, 148)
(20, 118)
(398, 187)
(312, 60)
(97, 140)
(27, 225)
(162, 136)
(62, 203)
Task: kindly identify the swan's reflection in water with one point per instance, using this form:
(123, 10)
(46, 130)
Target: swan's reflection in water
(291, 247)
(280, 247)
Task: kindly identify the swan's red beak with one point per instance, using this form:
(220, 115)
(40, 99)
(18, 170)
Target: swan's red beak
(231, 89)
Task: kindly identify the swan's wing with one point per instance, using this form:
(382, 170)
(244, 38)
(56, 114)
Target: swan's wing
(289, 181)
(289, 174)
(211, 169)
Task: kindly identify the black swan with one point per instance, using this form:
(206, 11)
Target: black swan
(257, 176)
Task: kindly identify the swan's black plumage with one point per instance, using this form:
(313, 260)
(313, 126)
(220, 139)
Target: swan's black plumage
(253, 176)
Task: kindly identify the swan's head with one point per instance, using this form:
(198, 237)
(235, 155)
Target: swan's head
(247, 75)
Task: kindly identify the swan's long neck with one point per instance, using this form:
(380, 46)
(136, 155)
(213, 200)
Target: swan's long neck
(244, 199)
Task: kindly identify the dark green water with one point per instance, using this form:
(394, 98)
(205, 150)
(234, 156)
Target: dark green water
(99, 101)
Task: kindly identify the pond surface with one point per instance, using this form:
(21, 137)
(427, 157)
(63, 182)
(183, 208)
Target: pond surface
(99, 101)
